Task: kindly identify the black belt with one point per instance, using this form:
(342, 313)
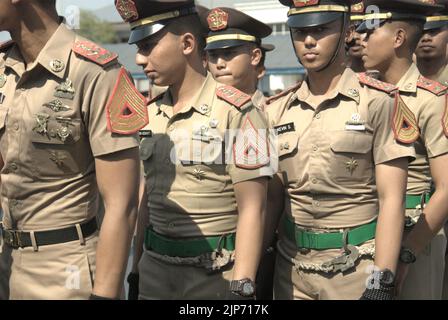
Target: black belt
(20, 239)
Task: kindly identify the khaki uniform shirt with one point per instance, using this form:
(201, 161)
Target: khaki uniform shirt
(443, 76)
(428, 109)
(188, 178)
(48, 179)
(258, 99)
(328, 152)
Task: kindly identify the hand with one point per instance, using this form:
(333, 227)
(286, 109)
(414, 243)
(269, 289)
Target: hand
(133, 279)
(402, 273)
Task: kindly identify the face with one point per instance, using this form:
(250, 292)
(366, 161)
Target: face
(354, 42)
(161, 57)
(379, 48)
(235, 66)
(315, 46)
(433, 44)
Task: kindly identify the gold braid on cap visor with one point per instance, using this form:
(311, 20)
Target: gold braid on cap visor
(437, 18)
(357, 17)
(231, 37)
(321, 8)
(156, 18)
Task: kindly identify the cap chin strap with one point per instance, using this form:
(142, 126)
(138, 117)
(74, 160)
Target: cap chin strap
(340, 42)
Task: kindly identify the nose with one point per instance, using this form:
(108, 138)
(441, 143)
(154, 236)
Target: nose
(426, 37)
(309, 42)
(141, 60)
(220, 63)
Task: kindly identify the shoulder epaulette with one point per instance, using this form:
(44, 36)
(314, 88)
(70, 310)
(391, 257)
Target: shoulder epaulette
(375, 83)
(431, 86)
(6, 45)
(233, 96)
(284, 93)
(93, 52)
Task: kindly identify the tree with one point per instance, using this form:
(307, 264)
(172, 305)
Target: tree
(95, 29)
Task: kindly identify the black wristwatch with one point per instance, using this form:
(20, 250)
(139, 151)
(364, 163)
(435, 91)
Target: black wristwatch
(407, 256)
(381, 286)
(244, 287)
(386, 278)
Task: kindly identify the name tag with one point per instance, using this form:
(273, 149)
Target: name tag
(355, 127)
(288, 127)
(145, 133)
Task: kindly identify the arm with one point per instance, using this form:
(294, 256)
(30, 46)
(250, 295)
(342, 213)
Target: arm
(142, 223)
(436, 211)
(251, 200)
(117, 175)
(274, 209)
(391, 179)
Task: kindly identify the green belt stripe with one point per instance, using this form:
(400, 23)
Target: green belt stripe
(186, 247)
(413, 201)
(333, 240)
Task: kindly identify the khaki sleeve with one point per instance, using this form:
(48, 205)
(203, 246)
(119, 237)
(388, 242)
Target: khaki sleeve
(431, 128)
(250, 154)
(385, 146)
(97, 96)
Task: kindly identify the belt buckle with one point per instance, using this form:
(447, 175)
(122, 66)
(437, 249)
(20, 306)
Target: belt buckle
(12, 238)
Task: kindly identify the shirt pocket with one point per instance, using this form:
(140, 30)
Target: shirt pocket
(287, 148)
(57, 151)
(351, 159)
(147, 146)
(202, 169)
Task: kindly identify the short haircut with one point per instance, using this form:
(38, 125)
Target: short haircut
(414, 30)
(189, 24)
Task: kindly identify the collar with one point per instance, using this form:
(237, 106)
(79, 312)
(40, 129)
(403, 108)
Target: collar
(347, 86)
(408, 83)
(258, 98)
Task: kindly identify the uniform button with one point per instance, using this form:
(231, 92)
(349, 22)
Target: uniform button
(314, 180)
(315, 148)
(171, 128)
(16, 126)
(318, 116)
(167, 161)
(316, 203)
(13, 166)
(171, 225)
(22, 89)
(281, 146)
(286, 146)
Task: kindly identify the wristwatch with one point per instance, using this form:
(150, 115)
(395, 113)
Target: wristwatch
(386, 278)
(244, 287)
(407, 256)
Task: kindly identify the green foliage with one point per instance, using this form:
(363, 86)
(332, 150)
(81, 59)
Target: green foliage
(95, 29)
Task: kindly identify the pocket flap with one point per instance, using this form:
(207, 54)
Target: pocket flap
(287, 143)
(351, 142)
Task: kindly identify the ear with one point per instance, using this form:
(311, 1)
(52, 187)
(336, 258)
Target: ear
(400, 38)
(188, 43)
(261, 72)
(256, 56)
(350, 34)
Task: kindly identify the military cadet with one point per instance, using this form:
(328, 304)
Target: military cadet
(432, 62)
(235, 52)
(432, 50)
(68, 114)
(342, 165)
(236, 56)
(206, 163)
(392, 35)
(354, 40)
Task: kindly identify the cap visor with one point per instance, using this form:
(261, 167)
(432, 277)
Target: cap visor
(223, 44)
(267, 47)
(434, 25)
(143, 32)
(313, 19)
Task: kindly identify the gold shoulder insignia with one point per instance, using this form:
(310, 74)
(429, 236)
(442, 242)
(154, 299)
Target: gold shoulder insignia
(431, 85)
(93, 52)
(404, 123)
(126, 109)
(365, 79)
(233, 96)
(284, 93)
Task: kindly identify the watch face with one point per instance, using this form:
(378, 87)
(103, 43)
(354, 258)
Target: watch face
(406, 256)
(248, 289)
(387, 277)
